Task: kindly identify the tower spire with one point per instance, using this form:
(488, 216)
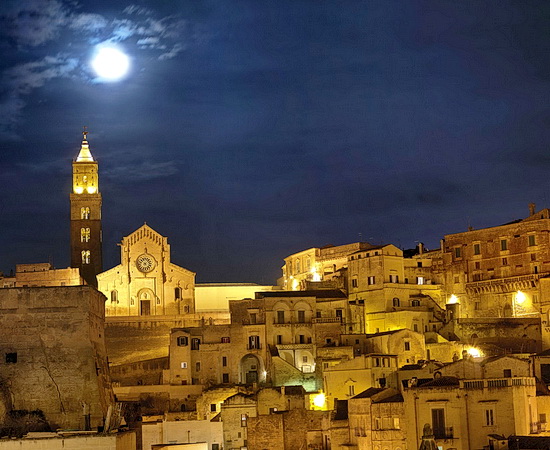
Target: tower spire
(85, 155)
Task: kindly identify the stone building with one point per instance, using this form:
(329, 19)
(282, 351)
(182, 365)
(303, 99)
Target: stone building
(146, 283)
(42, 274)
(86, 237)
(54, 357)
(495, 272)
(272, 338)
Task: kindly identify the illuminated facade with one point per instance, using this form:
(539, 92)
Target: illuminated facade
(146, 283)
(86, 245)
(495, 272)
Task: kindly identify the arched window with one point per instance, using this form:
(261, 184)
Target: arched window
(114, 296)
(177, 293)
(85, 213)
(84, 235)
(85, 256)
(415, 303)
(396, 302)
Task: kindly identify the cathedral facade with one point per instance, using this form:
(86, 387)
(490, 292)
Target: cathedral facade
(146, 283)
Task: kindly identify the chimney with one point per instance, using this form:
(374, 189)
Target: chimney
(531, 209)
(420, 248)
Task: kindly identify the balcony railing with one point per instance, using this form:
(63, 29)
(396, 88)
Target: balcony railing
(497, 383)
(327, 319)
(443, 433)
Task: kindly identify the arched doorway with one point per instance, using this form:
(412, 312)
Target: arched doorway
(145, 296)
(250, 369)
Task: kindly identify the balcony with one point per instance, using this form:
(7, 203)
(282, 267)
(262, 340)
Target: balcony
(506, 284)
(327, 320)
(497, 383)
(289, 323)
(443, 433)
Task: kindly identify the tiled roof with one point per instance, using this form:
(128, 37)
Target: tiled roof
(440, 381)
(318, 293)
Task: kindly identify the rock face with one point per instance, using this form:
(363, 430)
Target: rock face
(53, 356)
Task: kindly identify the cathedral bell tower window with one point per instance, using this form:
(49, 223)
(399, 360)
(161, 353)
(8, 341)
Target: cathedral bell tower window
(85, 213)
(85, 256)
(84, 234)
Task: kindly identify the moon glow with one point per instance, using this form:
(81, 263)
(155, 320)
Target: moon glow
(110, 64)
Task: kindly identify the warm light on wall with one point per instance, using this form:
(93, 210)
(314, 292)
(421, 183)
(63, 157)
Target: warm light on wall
(452, 300)
(315, 275)
(295, 284)
(91, 189)
(520, 297)
(319, 400)
(78, 190)
(474, 352)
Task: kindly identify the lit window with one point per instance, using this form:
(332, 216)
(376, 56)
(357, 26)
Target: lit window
(244, 418)
(84, 235)
(183, 365)
(253, 342)
(85, 213)
(419, 280)
(85, 256)
(370, 280)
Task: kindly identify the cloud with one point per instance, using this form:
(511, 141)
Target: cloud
(172, 53)
(22, 79)
(146, 170)
(32, 22)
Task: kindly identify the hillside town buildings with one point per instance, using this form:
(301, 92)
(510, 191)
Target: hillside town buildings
(359, 346)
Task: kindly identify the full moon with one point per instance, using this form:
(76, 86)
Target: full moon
(110, 64)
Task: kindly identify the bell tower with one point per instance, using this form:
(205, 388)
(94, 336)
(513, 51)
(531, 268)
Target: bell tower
(85, 198)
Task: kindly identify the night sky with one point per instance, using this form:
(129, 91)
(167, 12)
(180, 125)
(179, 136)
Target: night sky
(246, 131)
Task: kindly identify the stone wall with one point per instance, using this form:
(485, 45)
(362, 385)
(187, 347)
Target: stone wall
(53, 354)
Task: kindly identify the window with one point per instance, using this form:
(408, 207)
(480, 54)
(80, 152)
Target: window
(415, 327)
(531, 239)
(114, 296)
(536, 269)
(533, 257)
(253, 318)
(84, 213)
(504, 261)
(244, 419)
(195, 344)
(197, 366)
(351, 390)
(456, 280)
(339, 313)
(213, 407)
(507, 373)
(11, 358)
(226, 340)
(489, 417)
(396, 302)
(182, 341)
(304, 359)
(224, 361)
(394, 278)
(415, 303)
(419, 280)
(85, 256)
(503, 245)
(177, 293)
(458, 252)
(438, 423)
(477, 277)
(301, 316)
(477, 265)
(354, 282)
(279, 339)
(280, 316)
(253, 342)
(225, 378)
(477, 249)
(419, 264)
(84, 234)
(301, 339)
(183, 365)
(370, 281)
(298, 266)
(215, 446)
(407, 346)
